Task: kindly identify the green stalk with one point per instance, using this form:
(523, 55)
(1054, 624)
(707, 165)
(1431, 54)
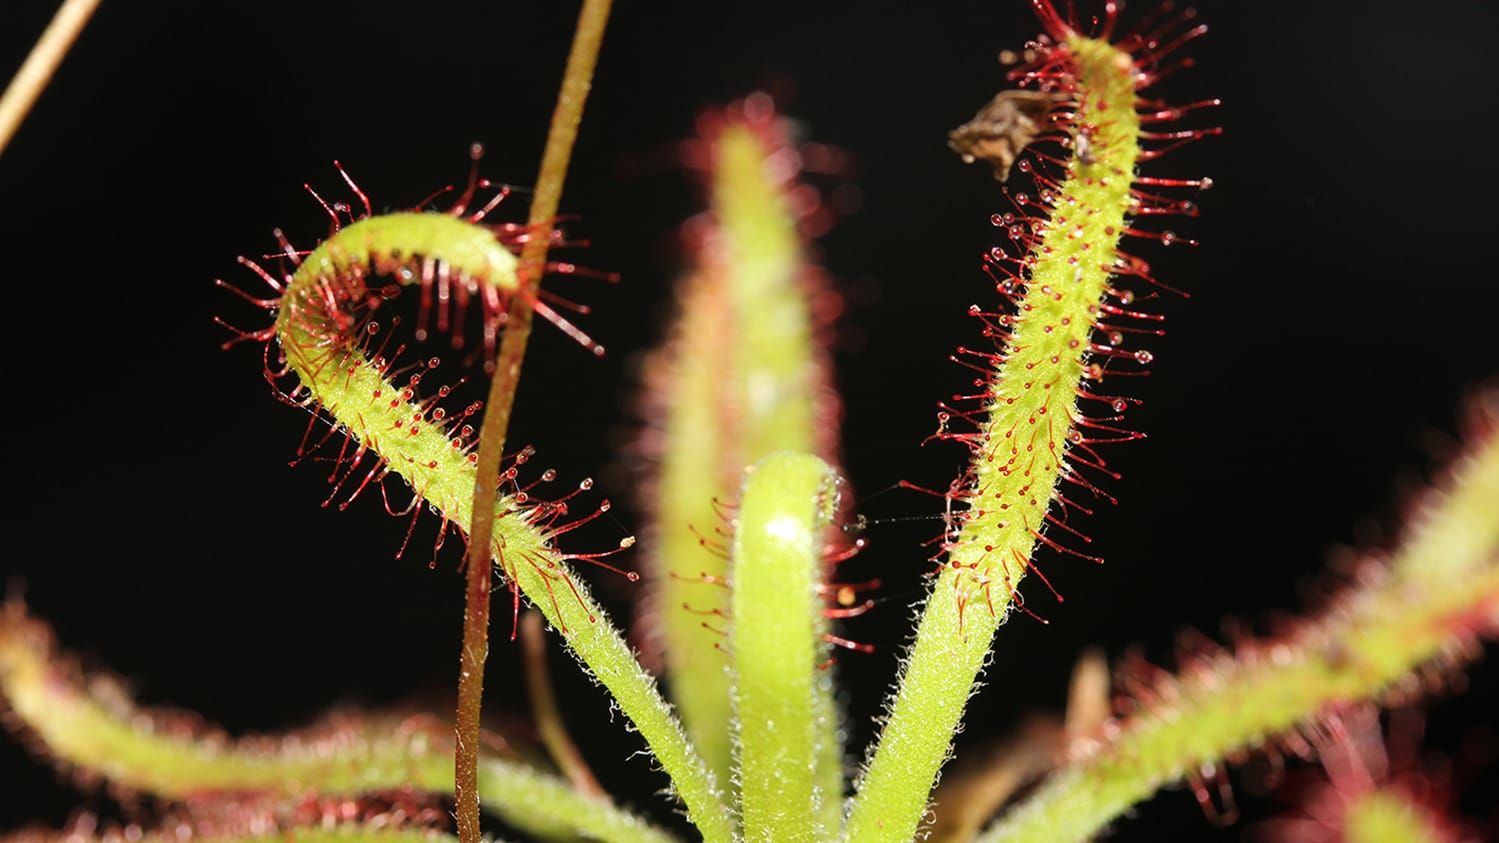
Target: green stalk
(599, 646)
(777, 640)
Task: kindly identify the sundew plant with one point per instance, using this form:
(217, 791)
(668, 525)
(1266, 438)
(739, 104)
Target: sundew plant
(1150, 489)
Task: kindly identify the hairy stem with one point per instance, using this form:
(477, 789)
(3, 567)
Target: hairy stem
(564, 131)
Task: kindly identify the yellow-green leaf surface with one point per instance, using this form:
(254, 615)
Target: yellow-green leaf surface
(1020, 453)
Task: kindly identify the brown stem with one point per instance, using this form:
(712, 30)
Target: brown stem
(545, 711)
(41, 63)
(564, 131)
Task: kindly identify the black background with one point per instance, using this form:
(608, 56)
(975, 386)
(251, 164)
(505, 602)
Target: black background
(1342, 305)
